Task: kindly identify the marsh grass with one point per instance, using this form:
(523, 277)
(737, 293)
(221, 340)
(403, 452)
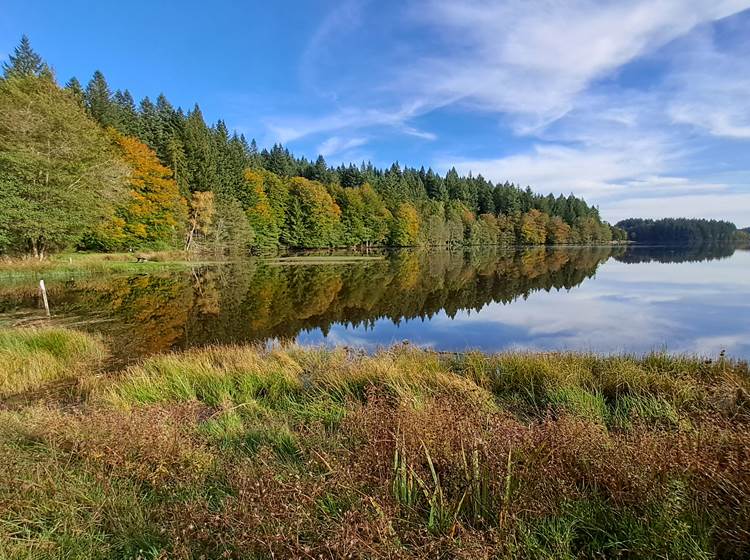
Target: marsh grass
(31, 358)
(249, 452)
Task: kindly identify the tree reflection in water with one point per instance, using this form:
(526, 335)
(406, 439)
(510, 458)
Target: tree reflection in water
(258, 300)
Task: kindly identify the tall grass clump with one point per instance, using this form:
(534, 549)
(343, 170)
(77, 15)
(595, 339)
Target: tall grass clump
(31, 358)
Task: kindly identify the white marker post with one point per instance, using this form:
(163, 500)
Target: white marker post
(43, 289)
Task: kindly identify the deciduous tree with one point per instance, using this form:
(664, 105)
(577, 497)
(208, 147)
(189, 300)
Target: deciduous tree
(58, 172)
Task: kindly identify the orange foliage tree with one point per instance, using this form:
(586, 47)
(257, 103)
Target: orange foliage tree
(153, 214)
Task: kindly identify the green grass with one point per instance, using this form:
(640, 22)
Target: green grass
(248, 452)
(588, 528)
(91, 263)
(32, 358)
(55, 508)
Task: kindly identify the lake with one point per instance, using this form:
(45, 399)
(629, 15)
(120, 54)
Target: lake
(601, 299)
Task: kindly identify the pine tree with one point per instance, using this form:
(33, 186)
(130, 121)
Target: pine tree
(24, 61)
(169, 124)
(99, 100)
(76, 90)
(200, 152)
(177, 162)
(225, 182)
(148, 123)
(320, 171)
(255, 161)
(279, 161)
(125, 114)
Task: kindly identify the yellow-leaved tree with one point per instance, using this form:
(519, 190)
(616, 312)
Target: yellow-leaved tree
(153, 215)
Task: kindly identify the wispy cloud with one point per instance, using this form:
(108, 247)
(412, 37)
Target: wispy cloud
(289, 128)
(336, 144)
(532, 58)
(709, 87)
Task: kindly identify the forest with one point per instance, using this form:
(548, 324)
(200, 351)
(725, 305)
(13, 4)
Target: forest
(86, 168)
(681, 231)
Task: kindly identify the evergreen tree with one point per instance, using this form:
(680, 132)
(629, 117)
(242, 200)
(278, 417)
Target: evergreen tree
(148, 123)
(279, 161)
(125, 115)
(99, 101)
(200, 153)
(282, 197)
(169, 124)
(76, 90)
(231, 160)
(25, 62)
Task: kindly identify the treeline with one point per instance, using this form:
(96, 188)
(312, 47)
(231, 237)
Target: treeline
(86, 167)
(674, 231)
(700, 252)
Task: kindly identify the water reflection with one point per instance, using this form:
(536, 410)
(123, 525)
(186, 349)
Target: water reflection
(672, 254)
(575, 298)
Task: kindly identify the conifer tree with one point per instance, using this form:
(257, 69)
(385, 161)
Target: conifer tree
(99, 100)
(200, 152)
(76, 90)
(125, 114)
(168, 125)
(148, 123)
(24, 61)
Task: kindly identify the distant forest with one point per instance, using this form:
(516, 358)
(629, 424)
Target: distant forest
(87, 168)
(679, 231)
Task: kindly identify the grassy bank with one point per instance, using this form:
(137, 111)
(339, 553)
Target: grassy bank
(144, 261)
(240, 452)
(81, 263)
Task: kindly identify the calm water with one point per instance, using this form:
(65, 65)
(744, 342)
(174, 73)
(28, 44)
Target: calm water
(602, 299)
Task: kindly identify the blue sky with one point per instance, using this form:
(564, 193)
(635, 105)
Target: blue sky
(640, 106)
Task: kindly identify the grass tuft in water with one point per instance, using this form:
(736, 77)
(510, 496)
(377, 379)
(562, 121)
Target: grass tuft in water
(31, 358)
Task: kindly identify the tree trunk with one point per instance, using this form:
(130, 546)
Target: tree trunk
(189, 241)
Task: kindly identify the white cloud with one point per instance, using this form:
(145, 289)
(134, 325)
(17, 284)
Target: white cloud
(292, 128)
(710, 87)
(624, 183)
(532, 58)
(559, 169)
(526, 59)
(619, 147)
(336, 144)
